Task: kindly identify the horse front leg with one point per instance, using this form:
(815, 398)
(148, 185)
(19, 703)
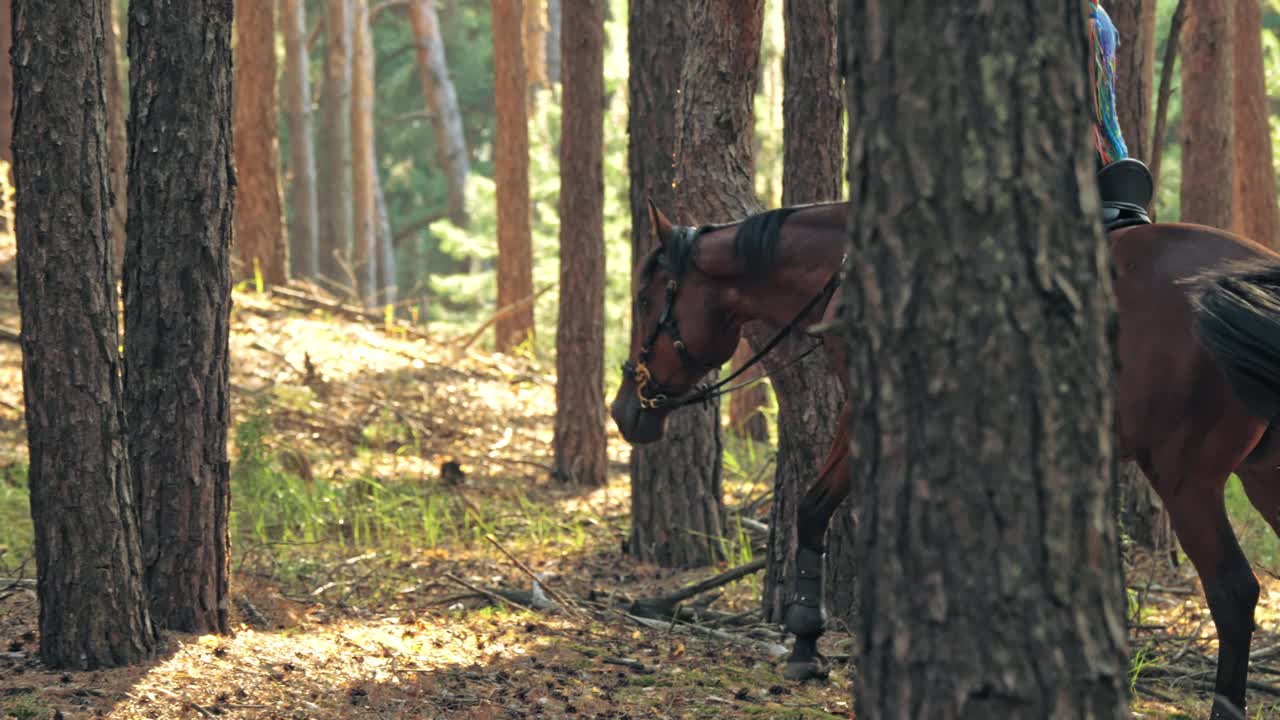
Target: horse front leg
(805, 617)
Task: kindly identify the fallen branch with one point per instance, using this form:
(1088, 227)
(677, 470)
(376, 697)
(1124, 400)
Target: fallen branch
(773, 649)
(494, 596)
(10, 336)
(551, 592)
(665, 606)
(500, 314)
(340, 308)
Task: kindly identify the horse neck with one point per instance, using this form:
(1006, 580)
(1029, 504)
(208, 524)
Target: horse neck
(809, 253)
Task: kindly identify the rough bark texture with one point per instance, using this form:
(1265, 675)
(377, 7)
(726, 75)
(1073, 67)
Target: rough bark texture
(555, 18)
(676, 494)
(1256, 213)
(259, 221)
(116, 137)
(1135, 20)
(746, 406)
(333, 190)
(446, 120)
(580, 442)
(809, 397)
(511, 175)
(93, 609)
(364, 171)
(177, 303)
(1208, 96)
(303, 230)
(982, 400)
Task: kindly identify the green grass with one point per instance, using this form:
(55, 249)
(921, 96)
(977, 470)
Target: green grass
(16, 534)
(1257, 539)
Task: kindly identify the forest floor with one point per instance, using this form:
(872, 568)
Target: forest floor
(367, 585)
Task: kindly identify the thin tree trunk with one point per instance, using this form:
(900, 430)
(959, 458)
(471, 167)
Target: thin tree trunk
(987, 582)
(364, 170)
(334, 190)
(446, 120)
(177, 288)
(1208, 94)
(676, 505)
(511, 175)
(554, 19)
(535, 46)
(6, 85)
(304, 231)
(809, 397)
(1256, 213)
(259, 221)
(116, 137)
(387, 251)
(746, 406)
(1164, 92)
(579, 442)
(89, 575)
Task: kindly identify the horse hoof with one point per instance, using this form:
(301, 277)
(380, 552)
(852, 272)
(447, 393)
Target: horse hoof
(805, 670)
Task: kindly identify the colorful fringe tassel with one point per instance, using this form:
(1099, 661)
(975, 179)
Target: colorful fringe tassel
(1106, 128)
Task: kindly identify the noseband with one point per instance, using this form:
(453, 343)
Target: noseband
(654, 395)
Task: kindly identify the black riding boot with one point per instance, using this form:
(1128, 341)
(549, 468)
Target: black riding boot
(1125, 187)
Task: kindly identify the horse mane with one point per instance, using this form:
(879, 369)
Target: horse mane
(756, 241)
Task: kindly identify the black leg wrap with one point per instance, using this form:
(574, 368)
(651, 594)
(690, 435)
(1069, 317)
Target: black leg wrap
(805, 615)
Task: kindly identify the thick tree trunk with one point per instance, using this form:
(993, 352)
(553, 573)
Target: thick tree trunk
(676, 495)
(555, 18)
(1135, 20)
(177, 304)
(442, 101)
(259, 221)
(988, 585)
(333, 191)
(1256, 213)
(511, 175)
(809, 397)
(1208, 94)
(746, 406)
(116, 137)
(580, 442)
(93, 609)
(303, 232)
(363, 168)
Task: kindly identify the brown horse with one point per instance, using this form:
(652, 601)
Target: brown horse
(1199, 339)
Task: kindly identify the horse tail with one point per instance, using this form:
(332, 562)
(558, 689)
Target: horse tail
(1237, 318)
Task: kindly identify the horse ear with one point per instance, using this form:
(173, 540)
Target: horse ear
(659, 222)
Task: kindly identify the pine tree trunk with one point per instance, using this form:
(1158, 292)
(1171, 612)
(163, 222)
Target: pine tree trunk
(983, 401)
(677, 511)
(809, 397)
(177, 288)
(746, 406)
(1208, 95)
(259, 221)
(555, 17)
(535, 46)
(511, 175)
(93, 608)
(579, 441)
(334, 187)
(387, 251)
(304, 230)
(1135, 20)
(117, 139)
(442, 101)
(363, 168)
(1256, 213)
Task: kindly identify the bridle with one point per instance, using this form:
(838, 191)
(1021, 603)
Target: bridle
(655, 395)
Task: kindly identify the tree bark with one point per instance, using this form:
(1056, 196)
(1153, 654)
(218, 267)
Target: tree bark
(809, 397)
(579, 441)
(1135, 20)
(535, 47)
(93, 609)
(259, 220)
(363, 168)
(177, 288)
(303, 232)
(442, 101)
(1256, 214)
(387, 282)
(117, 99)
(676, 495)
(1208, 93)
(555, 17)
(746, 406)
(511, 175)
(983, 401)
(333, 192)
